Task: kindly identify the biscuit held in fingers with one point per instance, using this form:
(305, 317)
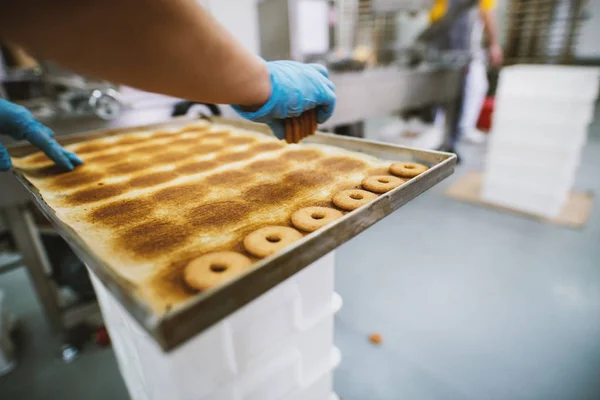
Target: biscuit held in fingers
(296, 124)
(313, 121)
(301, 127)
(295, 88)
(309, 121)
(289, 129)
(307, 124)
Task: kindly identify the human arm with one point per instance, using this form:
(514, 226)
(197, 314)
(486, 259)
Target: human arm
(490, 26)
(168, 46)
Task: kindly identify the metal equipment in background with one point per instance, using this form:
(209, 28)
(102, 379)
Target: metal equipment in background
(50, 265)
(58, 277)
(543, 31)
(374, 76)
(50, 92)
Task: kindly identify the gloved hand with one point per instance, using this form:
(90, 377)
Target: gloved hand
(295, 88)
(18, 123)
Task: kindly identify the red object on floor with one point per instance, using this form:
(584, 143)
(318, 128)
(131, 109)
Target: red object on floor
(484, 123)
(102, 337)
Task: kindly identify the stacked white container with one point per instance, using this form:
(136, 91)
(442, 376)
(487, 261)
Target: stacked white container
(539, 128)
(277, 347)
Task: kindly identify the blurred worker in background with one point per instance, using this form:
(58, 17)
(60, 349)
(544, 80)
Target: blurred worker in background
(467, 34)
(172, 47)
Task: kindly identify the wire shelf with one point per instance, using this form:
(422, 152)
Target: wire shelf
(543, 31)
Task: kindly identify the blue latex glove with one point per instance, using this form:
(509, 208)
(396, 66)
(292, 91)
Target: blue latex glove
(295, 88)
(18, 123)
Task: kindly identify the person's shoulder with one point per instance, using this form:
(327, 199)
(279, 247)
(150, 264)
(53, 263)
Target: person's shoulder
(438, 10)
(487, 5)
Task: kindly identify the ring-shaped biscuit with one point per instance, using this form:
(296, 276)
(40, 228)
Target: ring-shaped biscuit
(381, 183)
(407, 169)
(310, 219)
(352, 199)
(213, 269)
(268, 240)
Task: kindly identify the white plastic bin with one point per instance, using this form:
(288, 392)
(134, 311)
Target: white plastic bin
(541, 180)
(549, 81)
(529, 201)
(283, 333)
(569, 135)
(281, 379)
(518, 154)
(541, 111)
(540, 127)
(320, 386)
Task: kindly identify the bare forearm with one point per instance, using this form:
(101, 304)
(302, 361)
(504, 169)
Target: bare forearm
(167, 46)
(490, 27)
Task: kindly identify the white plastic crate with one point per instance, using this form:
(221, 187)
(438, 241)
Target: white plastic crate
(295, 317)
(527, 183)
(548, 111)
(524, 202)
(541, 134)
(528, 201)
(531, 155)
(544, 175)
(547, 188)
(287, 366)
(541, 180)
(549, 81)
(280, 380)
(566, 166)
(320, 386)
(540, 127)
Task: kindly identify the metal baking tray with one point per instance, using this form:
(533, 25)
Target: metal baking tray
(207, 308)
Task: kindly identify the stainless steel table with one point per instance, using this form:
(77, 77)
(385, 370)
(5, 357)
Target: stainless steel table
(14, 205)
(380, 91)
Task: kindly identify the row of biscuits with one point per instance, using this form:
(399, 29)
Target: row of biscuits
(216, 268)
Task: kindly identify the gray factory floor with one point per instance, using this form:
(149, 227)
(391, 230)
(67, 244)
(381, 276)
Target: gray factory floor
(472, 303)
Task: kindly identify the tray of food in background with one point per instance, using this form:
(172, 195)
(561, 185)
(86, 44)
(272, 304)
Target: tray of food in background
(186, 221)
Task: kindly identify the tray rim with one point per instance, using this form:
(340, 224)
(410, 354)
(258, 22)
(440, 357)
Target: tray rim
(186, 320)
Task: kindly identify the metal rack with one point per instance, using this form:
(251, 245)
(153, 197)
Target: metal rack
(543, 31)
(31, 254)
(52, 92)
